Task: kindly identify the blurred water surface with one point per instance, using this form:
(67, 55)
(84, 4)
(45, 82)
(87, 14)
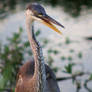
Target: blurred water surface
(75, 28)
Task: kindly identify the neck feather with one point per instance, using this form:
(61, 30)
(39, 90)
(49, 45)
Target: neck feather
(39, 71)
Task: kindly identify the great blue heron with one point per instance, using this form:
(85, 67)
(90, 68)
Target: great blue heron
(35, 75)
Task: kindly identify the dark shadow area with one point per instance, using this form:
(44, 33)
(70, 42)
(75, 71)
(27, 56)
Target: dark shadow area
(73, 7)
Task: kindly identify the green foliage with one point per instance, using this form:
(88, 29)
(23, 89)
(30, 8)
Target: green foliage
(50, 51)
(73, 7)
(90, 77)
(63, 58)
(50, 60)
(45, 42)
(80, 55)
(71, 50)
(50, 63)
(38, 33)
(69, 67)
(13, 54)
(55, 69)
(70, 58)
(11, 58)
(67, 41)
(55, 52)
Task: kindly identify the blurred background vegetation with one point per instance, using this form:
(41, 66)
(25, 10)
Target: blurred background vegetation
(73, 7)
(12, 53)
(12, 56)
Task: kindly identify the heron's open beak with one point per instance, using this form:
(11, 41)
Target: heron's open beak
(48, 21)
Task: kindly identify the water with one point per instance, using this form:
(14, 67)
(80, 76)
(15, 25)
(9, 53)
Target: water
(76, 29)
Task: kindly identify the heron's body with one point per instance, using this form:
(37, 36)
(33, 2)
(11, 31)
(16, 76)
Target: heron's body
(28, 68)
(36, 76)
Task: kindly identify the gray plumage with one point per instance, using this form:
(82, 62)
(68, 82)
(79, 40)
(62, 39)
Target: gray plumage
(36, 9)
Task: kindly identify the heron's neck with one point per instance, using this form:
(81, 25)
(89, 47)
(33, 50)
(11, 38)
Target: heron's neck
(39, 70)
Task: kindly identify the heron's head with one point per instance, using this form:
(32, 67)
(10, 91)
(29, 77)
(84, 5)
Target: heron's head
(36, 12)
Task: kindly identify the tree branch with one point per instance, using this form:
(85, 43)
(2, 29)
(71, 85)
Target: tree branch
(73, 76)
(86, 86)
